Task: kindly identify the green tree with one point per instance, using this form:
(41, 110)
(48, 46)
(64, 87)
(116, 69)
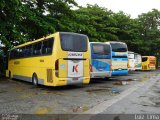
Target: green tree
(149, 31)
(9, 19)
(96, 22)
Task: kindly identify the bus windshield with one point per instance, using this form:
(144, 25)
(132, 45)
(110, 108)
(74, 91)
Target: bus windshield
(74, 42)
(138, 57)
(101, 49)
(119, 47)
(144, 59)
(131, 56)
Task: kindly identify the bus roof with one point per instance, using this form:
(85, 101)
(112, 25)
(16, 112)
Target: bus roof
(30, 42)
(131, 52)
(116, 42)
(99, 42)
(137, 54)
(49, 36)
(149, 56)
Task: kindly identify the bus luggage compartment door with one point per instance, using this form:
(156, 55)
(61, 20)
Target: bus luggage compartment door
(75, 68)
(70, 68)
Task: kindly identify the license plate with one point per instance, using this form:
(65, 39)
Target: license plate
(74, 78)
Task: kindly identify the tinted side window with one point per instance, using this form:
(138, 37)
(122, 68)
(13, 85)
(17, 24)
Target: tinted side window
(21, 52)
(11, 54)
(47, 46)
(37, 48)
(28, 51)
(16, 53)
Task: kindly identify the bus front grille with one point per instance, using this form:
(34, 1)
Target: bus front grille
(49, 76)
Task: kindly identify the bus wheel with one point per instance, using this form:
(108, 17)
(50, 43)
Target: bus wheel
(10, 76)
(35, 80)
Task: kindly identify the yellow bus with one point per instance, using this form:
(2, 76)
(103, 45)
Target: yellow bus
(148, 62)
(59, 59)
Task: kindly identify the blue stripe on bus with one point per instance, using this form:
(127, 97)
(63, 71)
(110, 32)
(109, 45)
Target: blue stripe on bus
(97, 56)
(116, 54)
(120, 59)
(113, 53)
(100, 65)
(119, 72)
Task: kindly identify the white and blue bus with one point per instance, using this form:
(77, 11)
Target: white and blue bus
(119, 58)
(100, 60)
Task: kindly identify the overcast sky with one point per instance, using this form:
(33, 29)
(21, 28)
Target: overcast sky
(132, 7)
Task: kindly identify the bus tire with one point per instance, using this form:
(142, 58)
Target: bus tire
(10, 75)
(35, 79)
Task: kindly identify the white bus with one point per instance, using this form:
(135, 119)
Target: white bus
(131, 61)
(138, 61)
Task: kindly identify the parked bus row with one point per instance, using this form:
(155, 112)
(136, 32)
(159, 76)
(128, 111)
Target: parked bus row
(67, 58)
(138, 62)
(108, 59)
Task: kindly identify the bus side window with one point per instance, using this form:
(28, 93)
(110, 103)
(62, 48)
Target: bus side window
(16, 53)
(28, 51)
(44, 47)
(11, 54)
(47, 46)
(37, 48)
(21, 52)
(50, 46)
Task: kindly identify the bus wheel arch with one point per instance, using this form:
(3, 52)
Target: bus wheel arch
(35, 79)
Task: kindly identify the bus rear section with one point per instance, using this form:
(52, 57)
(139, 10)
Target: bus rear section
(100, 60)
(148, 63)
(138, 61)
(56, 60)
(119, 58)
(72, 65)
(131, 61)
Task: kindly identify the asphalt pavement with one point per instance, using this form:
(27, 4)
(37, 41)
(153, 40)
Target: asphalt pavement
(137, 92)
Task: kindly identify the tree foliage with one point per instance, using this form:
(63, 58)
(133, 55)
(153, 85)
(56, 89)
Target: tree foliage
(24, 20)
